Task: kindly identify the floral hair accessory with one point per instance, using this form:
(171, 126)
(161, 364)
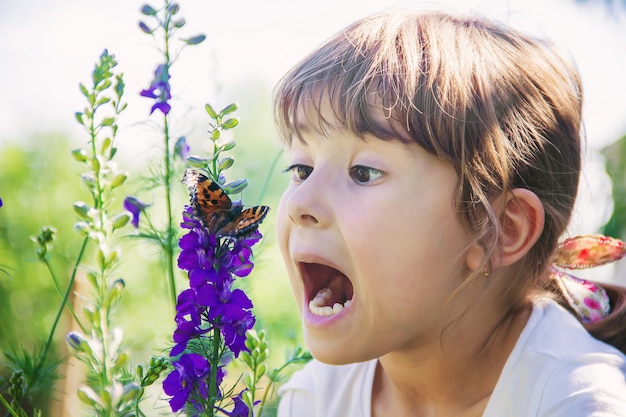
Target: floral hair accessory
(587, 299)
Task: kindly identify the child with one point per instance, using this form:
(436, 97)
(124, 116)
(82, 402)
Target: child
(435, 162)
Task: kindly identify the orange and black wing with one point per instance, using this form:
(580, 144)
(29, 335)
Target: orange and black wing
(207, 197)
(249, 220)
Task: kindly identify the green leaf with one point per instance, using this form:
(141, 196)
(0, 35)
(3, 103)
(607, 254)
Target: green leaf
(119, 85)
(148, 10)
(179, 23)
(83, 90)
(105, 144)
(230, 123)
(79, 117)
(103, 100)
(195, 40)
(108, 121)
(210, 111)
(231, 108)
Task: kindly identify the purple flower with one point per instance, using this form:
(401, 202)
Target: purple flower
(0, 202)
(181, 148)
(189, 376)
(159, 90)
(240, 408)
(188, 321)
(135, 207)
(235, 332)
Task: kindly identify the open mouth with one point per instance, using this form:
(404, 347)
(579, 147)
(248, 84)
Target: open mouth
(328, 290)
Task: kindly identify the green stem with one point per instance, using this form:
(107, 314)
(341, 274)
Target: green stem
(68, 290)
(215, 360)
(61, 293)
(169, 234)
(8, 407)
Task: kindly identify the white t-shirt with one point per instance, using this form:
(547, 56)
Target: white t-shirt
(555, 370)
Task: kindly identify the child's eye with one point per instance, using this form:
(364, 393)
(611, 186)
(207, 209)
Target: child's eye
(300, 172)
(363, 175)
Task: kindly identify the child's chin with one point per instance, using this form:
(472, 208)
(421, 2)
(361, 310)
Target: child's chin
(332, 354)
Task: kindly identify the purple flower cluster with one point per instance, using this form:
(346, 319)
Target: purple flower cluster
(159, 90)
(210, 303)
(189, 379)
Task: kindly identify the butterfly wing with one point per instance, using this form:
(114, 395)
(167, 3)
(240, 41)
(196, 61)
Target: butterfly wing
(208, 200)
(249, 220)
(215, 209)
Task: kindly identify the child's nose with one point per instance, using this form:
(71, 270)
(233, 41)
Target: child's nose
(309, 205)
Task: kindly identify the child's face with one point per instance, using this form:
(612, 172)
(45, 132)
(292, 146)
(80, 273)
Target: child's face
(374, 222)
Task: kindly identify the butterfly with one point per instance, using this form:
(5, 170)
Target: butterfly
(215, 209)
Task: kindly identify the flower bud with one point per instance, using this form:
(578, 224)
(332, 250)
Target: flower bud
(88, 179)
(236, 186)
(210, 111)
(231, 123)
(130, 392)
(119, 180)
(226, 163)
(197, 162)
(120, 221)
(89, 397)
(78, 343)
(228, 146)
(79, 154)
(148, 10)
(82, 209)
(82, 227)
(231, 108)
(115, 291)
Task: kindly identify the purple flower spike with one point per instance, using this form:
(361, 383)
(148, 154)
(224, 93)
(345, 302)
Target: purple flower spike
(209, 304)
(159, 90)
(135, 207)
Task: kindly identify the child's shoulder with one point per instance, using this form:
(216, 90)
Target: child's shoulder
(554, 333)
(557, 368)
(340, 390)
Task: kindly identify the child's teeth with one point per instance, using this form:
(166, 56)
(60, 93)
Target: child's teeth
(318, 305)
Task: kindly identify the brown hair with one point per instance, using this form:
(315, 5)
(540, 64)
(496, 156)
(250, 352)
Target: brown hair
(503, 108)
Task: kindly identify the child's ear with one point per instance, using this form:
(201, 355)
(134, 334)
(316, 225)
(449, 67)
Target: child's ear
(522, 220)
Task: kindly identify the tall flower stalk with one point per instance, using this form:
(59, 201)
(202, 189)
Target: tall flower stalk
(164, 22)
(111, 389)
(212, 316)
(107, 390)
